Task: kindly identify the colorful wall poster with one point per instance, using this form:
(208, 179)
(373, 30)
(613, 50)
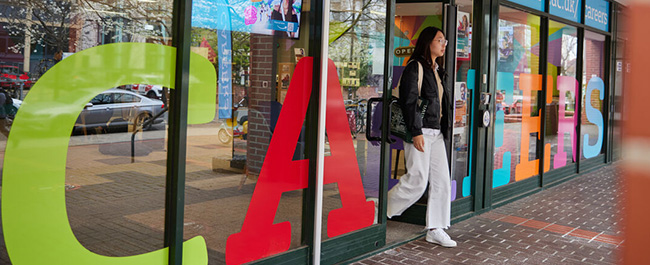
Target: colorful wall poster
(506, 44)
(463, 45)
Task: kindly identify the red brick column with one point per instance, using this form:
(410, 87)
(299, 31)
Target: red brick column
(259, 100)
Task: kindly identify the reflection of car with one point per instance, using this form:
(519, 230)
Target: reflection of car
(16, 104)
(514, 108)
(117, 110)
(150, 91)
(12, 110)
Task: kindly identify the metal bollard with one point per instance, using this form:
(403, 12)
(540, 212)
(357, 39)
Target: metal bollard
(20, 93)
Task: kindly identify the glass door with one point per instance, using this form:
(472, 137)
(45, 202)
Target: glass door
(356, 73)
(410, 20)
(463, 87)
(456, 22)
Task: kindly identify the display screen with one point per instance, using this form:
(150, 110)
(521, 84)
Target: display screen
(268, 17)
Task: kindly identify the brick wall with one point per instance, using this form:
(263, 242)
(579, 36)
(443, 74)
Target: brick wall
(260, 96)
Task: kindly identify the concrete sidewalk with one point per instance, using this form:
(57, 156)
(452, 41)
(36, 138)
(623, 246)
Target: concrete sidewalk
(575, 222)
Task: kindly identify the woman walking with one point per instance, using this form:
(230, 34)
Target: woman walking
(426, 157)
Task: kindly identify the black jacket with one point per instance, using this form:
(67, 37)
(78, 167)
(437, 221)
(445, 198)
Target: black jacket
(408, 95)
(275, 15)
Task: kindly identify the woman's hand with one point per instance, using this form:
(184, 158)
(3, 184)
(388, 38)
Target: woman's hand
(418, 143)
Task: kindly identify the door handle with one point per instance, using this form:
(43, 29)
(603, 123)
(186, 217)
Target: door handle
(369, 119)
(393, 100)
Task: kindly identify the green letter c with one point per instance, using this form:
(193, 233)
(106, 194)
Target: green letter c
(34, 218)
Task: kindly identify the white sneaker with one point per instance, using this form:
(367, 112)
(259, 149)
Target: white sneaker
(376, 201)
(438, 236)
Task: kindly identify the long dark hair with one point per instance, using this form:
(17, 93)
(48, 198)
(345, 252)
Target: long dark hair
(290, 11)
(422, 52)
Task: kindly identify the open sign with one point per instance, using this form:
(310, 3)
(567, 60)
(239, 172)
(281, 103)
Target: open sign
(404, 51)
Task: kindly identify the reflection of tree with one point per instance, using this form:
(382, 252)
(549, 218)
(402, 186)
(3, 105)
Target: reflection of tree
(63, 25)
(198, 34)
(44, 22)
(240, 47)
(569, 54)
(357, 27)
(345, 17)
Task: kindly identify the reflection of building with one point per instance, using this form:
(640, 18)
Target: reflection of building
(7, 54)
(43, 33)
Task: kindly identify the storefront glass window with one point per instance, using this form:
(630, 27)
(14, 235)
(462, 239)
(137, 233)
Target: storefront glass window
(593, 93)
(84, 138)
(517, 120)
(560, 111)
(246, 168)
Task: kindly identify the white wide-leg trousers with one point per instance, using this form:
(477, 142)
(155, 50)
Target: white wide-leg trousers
(429, 165)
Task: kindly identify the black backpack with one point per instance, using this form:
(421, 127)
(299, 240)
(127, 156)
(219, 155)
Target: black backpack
(8, 100)
(8, 105)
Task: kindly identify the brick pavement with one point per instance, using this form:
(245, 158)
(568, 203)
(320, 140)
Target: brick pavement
(573, 223)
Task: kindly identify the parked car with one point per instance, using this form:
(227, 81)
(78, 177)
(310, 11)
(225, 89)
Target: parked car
(117, 110)
(150, 91)
(10, 111)
(11, 78)
(14, 109)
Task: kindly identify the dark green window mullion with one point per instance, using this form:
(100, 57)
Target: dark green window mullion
(581, 81)
(491, 88)
(384, 172)
(612, 83)
(450, 13)
(607, 113)
(311, 125)
(606, 110)
(605, 106)
(486, 21)
(611, 75)
(579, 66)
(176, 149)
(449, 19)
(541, 100)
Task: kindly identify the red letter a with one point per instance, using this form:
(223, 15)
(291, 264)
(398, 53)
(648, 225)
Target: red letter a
(261, 238)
